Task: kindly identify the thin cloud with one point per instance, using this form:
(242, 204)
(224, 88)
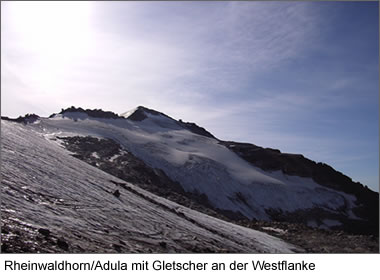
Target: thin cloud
(262, 72)
(240, 38)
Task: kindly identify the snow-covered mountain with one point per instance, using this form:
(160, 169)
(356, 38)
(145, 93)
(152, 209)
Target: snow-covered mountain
(240, 181)
(53, 202)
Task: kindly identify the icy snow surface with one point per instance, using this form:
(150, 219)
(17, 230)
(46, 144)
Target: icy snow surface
(201, 164)
(44, 187)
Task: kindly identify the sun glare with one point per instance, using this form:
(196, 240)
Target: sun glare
(54, 34)
(53, 27)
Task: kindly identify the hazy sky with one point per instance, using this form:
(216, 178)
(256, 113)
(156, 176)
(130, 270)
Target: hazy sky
(298, 76)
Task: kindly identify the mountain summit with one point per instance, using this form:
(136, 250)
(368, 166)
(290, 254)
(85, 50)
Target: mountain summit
(140, 113)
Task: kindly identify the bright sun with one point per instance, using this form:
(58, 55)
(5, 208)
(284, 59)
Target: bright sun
(55, 27)
(53, 34)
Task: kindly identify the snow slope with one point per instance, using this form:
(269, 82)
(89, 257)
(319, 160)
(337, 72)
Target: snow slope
(44, 187)
(203, 165)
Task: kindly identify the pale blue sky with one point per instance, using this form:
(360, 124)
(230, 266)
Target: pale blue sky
(298, 76)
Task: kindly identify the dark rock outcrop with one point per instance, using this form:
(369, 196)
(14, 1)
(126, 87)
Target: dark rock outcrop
(44, 231)
(95, 113)
(28, 118)
(62, 244)
(194, 128)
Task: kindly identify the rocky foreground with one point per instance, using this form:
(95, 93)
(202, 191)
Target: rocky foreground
(314, 240)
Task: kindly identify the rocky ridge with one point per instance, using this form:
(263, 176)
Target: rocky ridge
(323, 174)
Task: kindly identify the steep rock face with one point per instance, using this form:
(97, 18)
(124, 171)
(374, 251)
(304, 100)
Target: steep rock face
(194, 128)
(95, 113)
(323, 174)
